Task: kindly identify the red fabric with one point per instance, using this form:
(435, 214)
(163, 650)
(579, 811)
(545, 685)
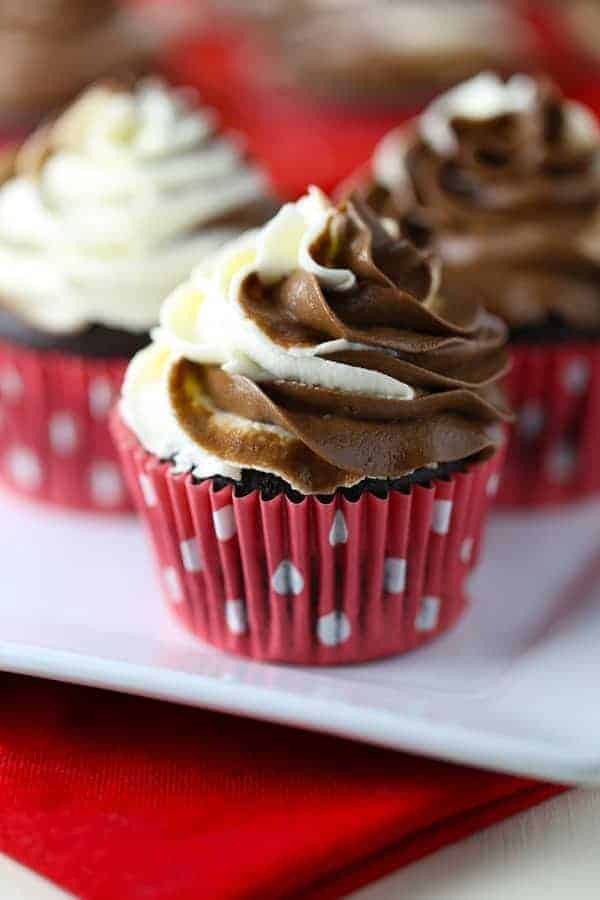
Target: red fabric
(116, 796)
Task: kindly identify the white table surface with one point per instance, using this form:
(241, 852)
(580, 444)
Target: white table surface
(551, 852)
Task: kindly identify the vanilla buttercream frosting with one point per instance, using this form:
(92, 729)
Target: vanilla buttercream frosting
(113, 204)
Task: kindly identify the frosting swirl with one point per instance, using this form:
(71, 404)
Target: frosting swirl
(112, 205)
(318, 349)
(508, 176)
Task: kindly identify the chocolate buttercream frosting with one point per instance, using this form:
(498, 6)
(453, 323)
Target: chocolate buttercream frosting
(341, 363)
(507, 178)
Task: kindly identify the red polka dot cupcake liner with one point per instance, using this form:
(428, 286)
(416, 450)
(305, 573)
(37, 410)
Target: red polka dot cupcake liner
(552, 450)
(312, 582)
(55, 440)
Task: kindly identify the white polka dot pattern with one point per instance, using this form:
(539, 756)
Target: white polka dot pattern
(286, 579)
(224, 522)
(338, 533)
(106, 484)
(333, 629)
(561, 463)
(148, 491)
(576, 375)
(235, 616)
(25, 468)
(394, 575)
(62, 430)
(442, 512)
(172, 584)
(191, 555)
(101, 396)
(492, 485)
(11, 384)
(531, 420)
(466, 550)
(428, 615)
(55, 442)
(300, 584)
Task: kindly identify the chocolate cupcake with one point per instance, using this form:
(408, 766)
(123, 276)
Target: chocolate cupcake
(51, 49)
(389, 51)
(102, 212)
(507, 178)
(313, 437)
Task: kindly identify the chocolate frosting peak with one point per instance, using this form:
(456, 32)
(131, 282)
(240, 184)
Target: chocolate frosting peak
(438, 364)
(512, 198)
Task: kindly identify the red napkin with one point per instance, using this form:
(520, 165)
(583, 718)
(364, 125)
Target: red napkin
(116, 796)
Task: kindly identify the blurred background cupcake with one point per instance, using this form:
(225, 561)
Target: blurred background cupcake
(51, 49)
(392, 50)
(313, 440)
(507, 178)
(315, 84)
(102, 212)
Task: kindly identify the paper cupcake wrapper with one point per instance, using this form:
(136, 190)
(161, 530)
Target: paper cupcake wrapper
(55, 440)
(310, 582)
(552, 450)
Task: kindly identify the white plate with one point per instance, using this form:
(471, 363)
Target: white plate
(515, 687)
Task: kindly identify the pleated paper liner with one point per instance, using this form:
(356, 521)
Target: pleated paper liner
(310, 582)
(552, 455)
(55, 441)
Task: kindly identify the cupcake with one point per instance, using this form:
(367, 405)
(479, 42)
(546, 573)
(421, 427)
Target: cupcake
(386, 51)
(313, 439)
(102, 212)
(51, 49)
(507, 175)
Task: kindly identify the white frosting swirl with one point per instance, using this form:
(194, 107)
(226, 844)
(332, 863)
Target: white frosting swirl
(485, 97)
(203, 321)
(120, 211)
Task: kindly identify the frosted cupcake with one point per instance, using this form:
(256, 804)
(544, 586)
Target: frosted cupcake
(312, 439)
(390, 51)
(51, 49)
(102, 213)
(507, 174)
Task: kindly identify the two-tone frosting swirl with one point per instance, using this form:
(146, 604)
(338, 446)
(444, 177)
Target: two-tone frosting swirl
(112, 205)
(318, 349)
(508, 174)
